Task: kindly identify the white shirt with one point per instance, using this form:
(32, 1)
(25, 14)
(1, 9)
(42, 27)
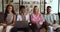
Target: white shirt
(19, 18)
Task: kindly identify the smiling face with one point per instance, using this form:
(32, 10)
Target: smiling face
(48, 10)
(9, 9)
(23, 10)
(35, 9)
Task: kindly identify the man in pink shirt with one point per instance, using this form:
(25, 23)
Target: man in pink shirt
(36, 20)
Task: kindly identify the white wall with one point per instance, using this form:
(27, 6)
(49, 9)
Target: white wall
(54, 6)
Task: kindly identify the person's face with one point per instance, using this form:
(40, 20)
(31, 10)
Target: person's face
(23, 10)
(36, 9)
(10, 9)
(48, 10)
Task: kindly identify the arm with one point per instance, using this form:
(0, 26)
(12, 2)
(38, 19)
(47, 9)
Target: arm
(41, 20)
(18, 18)
(56, 18)
(32, 19)
(14, 19)
(28, 17)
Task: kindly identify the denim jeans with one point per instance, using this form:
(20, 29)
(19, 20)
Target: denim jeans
(15, 29)
(51, 29)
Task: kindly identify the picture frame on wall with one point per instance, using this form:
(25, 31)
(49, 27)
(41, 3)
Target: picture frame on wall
(11, 0)
(30, 4)
(8, 1)
(27, 2)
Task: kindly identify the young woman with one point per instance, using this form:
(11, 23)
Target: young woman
(9, 18)
(36, 20)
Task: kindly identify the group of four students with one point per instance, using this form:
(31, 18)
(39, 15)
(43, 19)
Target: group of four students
(36, 19)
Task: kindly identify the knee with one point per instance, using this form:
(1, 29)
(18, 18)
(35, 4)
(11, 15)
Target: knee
(1, 27)
(9, 27)
(50, 27)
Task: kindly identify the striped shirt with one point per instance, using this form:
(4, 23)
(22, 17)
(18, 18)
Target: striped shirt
(50, 18)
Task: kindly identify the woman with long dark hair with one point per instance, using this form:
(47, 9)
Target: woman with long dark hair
(9, 18)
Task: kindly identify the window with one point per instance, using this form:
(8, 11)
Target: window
(53, 4)
(29, 4)
(0, 5)
(15, 3)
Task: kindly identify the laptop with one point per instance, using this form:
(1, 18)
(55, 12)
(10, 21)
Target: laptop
(21, 24)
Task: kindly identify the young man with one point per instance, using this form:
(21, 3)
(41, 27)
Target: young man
(50, 18)
(22, 17)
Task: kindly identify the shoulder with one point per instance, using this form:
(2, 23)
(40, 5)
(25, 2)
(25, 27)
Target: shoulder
(27, 14)
(52, 14)
(18, 15)
(40, 14)
(14, 15)
(32, 14)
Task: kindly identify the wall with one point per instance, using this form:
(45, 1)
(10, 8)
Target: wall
(25, 0)
(0, 5)
(53, 4)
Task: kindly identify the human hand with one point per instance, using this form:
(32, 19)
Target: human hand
(4, 25)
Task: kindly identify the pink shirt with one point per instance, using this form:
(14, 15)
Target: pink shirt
(38, 18)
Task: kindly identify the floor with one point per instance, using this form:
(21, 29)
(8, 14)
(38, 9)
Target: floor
(42, 30)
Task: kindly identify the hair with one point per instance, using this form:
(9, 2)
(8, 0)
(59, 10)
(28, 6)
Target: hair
(54, 22)
(48, 7)
(6, 11)
(34, 7)
(21, 7)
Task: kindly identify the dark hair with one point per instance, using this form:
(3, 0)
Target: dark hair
(6, 11)
(21, 7)
(35, 6)
(54, 22)
(48, 7)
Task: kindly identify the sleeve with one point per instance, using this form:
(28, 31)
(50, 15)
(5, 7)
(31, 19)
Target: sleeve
(54, 16)
(32, 18)
(18, 17)
(57, 18)
(45, 18)
(41, 20)
(28, 17)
